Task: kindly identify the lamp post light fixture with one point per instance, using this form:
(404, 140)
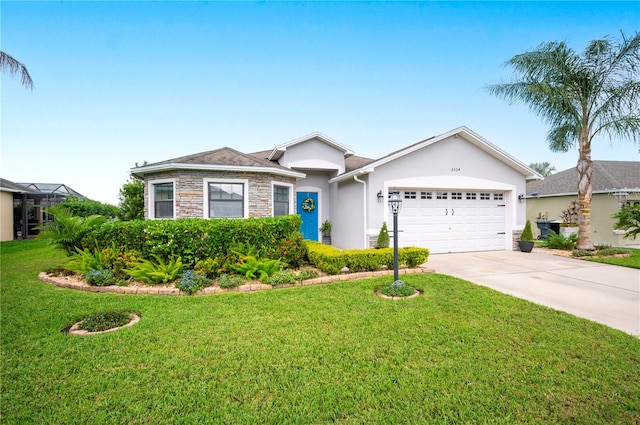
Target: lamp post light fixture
(395, 205)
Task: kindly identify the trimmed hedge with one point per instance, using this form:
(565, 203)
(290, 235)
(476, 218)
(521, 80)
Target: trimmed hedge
(332, 260)
(194, 239)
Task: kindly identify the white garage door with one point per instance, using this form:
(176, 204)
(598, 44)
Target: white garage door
(452, 221)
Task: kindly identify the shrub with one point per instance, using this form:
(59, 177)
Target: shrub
(397, 289)
(69, 231)
(84, 260)
(103, 321)
(629, 219)
(331, 260)
(559, 241)
(283, 277)
(192, 282)
(100, 277)
(226, 281)
(158, 271)
(307, 273)
(413, 256)
(253, 268)
(570, 215)
(209, 267)
(88, 207)
(192, 238)
(527, 233)
(383, 237)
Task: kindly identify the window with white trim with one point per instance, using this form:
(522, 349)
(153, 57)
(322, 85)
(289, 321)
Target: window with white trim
(161, 199)
(226, 200)
(281, 200)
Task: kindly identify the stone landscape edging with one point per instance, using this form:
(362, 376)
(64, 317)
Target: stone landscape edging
(66, 282)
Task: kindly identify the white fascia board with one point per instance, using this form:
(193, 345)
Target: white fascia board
(595, 192)
(279, 150)
(170, 167)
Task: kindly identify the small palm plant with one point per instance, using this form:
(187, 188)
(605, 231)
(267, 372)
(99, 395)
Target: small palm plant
(67, 230)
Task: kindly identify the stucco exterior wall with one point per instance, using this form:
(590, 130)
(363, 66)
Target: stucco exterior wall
(452, 163)
(603, 206)
(348, 230)
(317, 181)
(6, 216)
(189, 190)
(313, 154)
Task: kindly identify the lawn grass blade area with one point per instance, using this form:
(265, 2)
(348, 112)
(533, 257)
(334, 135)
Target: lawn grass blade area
(333, 353)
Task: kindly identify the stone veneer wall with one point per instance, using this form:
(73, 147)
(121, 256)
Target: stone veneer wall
(516, 238)
(188, 195)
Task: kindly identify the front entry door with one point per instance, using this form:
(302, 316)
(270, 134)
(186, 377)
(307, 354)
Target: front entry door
(307, 207)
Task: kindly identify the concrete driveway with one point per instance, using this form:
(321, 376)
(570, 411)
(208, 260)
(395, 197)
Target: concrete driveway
(599, 292)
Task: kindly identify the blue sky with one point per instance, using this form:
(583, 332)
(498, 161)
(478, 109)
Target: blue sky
(124, 82)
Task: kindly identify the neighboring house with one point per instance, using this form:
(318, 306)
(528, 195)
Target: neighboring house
(614, 183)
(21, 206)
(459, 192)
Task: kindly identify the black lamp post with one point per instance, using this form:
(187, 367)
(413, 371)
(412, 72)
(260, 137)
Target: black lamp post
(395, 204)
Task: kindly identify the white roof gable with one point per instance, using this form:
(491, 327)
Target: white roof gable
(464, 132)
(279, 150)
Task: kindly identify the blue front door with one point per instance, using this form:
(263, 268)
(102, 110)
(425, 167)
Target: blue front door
(307, 207)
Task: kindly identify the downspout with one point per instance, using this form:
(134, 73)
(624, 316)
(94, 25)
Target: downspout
(364, 209)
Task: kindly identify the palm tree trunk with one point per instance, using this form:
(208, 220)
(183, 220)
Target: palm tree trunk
(585, 189)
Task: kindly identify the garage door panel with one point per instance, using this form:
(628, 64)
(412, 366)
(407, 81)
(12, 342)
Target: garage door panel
(469, 222)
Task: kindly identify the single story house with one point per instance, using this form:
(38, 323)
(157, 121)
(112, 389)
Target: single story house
(459, 191)
(614, 184)
(22, 205)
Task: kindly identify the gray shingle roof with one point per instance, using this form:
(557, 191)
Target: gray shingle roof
(607, 177)
(225, 157)
(9, 186)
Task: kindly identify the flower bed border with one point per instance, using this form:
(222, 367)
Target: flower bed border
(67, 282)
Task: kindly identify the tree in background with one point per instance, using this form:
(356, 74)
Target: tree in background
(581, 96)
(629, 219)
(543, 168)
(88, 207)
(11, 65)
(131, 199)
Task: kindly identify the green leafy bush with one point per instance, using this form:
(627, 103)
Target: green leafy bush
(559, 241)
(193, 239)
(88, 207)
(397, 289)
(209, 267)
(158, 271)
(69, 231)
(307, 273)
(283, 277)
(84, 260)
(100, 277)
(628, 219)
(254, 268)
(332, 260)
(226, 281)
(192, 282)
(383, 237)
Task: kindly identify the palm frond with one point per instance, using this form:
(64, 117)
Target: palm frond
(13, 66)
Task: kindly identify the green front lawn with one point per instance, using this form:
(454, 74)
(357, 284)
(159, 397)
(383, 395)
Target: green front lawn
(335, 353)
(633, 261)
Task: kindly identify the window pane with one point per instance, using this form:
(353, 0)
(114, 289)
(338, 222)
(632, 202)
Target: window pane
(225, 209)
(280, 201)
(226, 200)
(230, 191)
(163, 200)
(164, 192)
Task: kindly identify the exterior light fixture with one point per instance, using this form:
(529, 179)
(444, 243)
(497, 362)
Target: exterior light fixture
(395, 205)
(521, 198)
(380, 196)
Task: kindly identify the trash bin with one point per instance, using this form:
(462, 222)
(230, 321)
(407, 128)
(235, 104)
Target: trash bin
(545, 227)
(555, 227)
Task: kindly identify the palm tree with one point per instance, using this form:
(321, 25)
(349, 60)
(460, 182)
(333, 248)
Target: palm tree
(543, 168)
(581, 96)
(8, 63)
